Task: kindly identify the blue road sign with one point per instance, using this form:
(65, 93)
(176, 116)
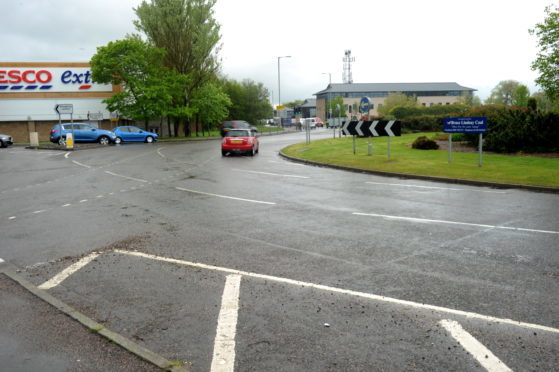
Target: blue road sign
(465, 125)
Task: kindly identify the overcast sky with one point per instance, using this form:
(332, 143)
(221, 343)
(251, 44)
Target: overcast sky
(476, 43)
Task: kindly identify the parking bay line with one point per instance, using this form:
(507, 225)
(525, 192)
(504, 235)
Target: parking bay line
(425, 220)
(64, 274)
(483, 355)
(349, 292)
(224, 344)
(224, 196)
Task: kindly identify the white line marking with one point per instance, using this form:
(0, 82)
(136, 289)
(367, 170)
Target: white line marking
(413, 219)
(99, 196)
(39, 211)
(433, 187)
(1, 260)
(270, 174)
(224, 196)
(67, 154)
(482, 354)
(349, 292)
(12, 218)
(80, 164)
(224, 344)
(66, 205)
(129, 178)
(83, 200)
(60, 277)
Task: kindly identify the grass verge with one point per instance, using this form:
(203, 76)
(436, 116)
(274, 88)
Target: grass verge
(522, 170)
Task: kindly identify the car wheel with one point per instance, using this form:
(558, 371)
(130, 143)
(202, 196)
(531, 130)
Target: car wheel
(252, 152)
(149, 139)
(2, 144)
(223, 153)
(104, 140)
(118, 140)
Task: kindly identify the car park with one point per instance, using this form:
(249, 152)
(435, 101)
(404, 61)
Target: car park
(131, 133)
(240, 141)
(6, 140)
(81, 132)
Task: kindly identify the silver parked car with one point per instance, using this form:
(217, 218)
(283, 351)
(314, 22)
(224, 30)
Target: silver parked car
(6, 140)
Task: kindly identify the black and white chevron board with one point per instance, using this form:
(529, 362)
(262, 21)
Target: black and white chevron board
(373, 128)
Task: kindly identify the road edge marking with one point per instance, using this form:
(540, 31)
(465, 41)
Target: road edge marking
(412, 304)
(482, 354)
(223, 359)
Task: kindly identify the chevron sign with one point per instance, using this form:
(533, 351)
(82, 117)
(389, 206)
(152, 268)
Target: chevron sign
(374, 128)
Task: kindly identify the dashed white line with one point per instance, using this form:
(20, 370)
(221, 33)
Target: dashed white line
(39, 211)
(224, 196)
(66, 205)
(12, 217)
(425, 220)
(433, 187)
(60, 277)
(128, 178)
(482, 354)
(270, 174)
(83, 200)
(224, 344)
(1, 260)
(81, 164)
(349, 292)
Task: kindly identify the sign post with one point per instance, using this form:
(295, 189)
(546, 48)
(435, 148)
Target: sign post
(66, 108)
(375, 128)
(465, 125)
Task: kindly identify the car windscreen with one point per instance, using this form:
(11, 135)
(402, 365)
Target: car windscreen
(238, 133)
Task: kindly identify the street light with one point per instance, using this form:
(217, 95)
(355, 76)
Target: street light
(279, 89)
(329, 76)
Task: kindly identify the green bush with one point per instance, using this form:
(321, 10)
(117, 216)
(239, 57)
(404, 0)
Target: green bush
(423, 123)
(424, 143)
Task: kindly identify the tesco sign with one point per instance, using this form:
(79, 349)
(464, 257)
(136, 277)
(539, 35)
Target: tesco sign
(49, 79)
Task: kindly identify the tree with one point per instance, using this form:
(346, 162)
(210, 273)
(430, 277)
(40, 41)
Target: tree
(543, 103)
(187, 30)
(502, 93)
(250, 101)
(210, 104)
(547, 60)
(147, 88)
(469, 99)
(336, 107)
(520, 96)
(397, 100)
(294, 103)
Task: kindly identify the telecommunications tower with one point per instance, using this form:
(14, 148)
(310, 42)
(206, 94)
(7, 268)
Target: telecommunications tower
(348, 59)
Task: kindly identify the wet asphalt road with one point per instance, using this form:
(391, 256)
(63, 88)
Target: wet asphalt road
(324, 239)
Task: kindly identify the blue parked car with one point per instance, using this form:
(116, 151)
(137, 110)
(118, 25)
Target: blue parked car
(133, 134)
(82, 132)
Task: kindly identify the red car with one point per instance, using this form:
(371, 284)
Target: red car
(240, 141)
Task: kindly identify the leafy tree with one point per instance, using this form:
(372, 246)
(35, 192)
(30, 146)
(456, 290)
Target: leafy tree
(544, 103)
(187, 30)
(397, 100)
(502, 93)
(520, 96)
(469, 99)
(210, 104)
(294, 103)
(336, 107)
(249, 100)
(147, 89)
(547, 60)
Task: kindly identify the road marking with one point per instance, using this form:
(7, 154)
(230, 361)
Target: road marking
(83, 200)
(270, 174)
(482, 354)
(349, 292)
(12, 218)
(129, 178)
(66, 205)
(80, 164)
(60, 277)
(1, 260)
(224, 344)
(433, 187)
(39, 211)
(424, 220)
(224, 196)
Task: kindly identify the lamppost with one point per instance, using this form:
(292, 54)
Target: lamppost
(279, 88)
(329, 76)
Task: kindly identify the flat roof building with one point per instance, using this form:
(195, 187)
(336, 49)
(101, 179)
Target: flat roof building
(428, 94)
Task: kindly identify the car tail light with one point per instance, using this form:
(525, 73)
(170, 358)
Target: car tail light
(53, 131)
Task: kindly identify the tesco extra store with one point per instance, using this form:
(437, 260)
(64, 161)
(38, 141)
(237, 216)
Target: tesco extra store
(30, 91)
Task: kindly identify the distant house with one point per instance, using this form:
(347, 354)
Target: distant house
(428, 94)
